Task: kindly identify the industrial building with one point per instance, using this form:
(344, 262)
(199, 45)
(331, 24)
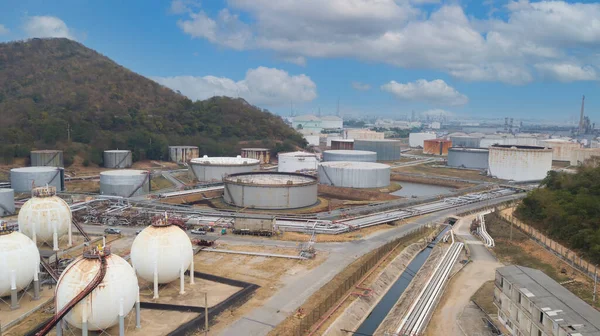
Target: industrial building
(386, 149)
(307, 122)
(561, 149)
(580, 155)
(470, 158)
(354, 174)
(266, 190)
(519, 163)
(261, 154)
(183, 154)
(415, 140)
(465, 141)
(531, 303)
(349, 155)
(332, 122)
(436, 146)
(215, 168)
(297, 161)
(331, 137)
(125, 183)
(47, 158)
(7, 202)
(347, 144)
(23, 180)
(117, 159)
(313, 140)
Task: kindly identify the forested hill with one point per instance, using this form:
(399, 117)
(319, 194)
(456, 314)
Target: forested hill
(51, 89)
(567, 207)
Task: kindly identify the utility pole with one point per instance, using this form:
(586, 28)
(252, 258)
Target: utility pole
(68, 132)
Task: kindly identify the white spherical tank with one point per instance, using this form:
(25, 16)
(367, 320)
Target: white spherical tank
(101, 307)
(164, 249)
(44, 215)
(18, 254)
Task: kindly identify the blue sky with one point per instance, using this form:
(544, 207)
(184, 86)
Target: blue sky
(492, 58)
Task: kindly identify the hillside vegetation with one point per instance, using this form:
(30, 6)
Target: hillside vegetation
(567, 208)
(56, 93)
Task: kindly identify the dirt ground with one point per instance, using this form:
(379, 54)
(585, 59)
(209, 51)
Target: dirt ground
(359, 194)
(343, 237)
(447, 172)
(194, 293)
(430, 180)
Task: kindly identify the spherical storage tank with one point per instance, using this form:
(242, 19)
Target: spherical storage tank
(45, 217)
(7, 202)
(416, 139)
(386, 149)
(124, 183)
(215, 168)
(354, 174)
(47, 158)
(349, 155)
(183, 154)
(561, 149)
(266, 190)
(465, 141)
(19, 256)
(117, 159)
(296, 161)
(24, 179)
(472, 158)
(102, 305)
(519, 163)
(161, 248)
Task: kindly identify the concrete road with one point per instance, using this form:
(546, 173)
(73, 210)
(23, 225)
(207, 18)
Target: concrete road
(298, 288)
(446, 319)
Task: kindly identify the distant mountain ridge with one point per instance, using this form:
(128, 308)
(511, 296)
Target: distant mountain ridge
(59, 93)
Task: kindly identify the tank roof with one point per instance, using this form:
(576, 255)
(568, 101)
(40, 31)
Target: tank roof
(467, 149)
(436, 140)
(298, 154)
(520, 147)
(354, 165)
(117, 151)
(225, 161)
(123, 172)
(46, 151)
(349, 152)
(343, 140)
(270, 179)
(254, 149)
(183, 146)
(9, 190)
(34, 169)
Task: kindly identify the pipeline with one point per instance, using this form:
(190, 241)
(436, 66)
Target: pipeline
(81, 230)
(482, 232)
(49, 269)
(86, 291)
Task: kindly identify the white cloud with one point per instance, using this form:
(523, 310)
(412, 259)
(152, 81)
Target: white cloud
(424, 2)
(435, 92)
(566, 72)
(261, 86)
(47, 26)
(502, 48)
(360, 86)
(183, 6)
(298, 60)
(3, 30)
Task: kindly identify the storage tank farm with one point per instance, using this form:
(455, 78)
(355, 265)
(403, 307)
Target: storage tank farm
(349, 155)
(183, 154)
(125, 182)
(19, 265)
(117, 159)
(24, 179)
(215, 168)
(296, 162)
(47, 158)
(261, 154)
(161, 253)
(470, 158)
(561, 149)
(578, 155)
(354, 174)
(519, 163)
(45, 217)
(386, 149)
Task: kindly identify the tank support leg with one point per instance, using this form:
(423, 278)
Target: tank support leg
(155, 281)
(59, 330)
(36, 284)
(70, 235)
(181, 281)
(84, 321)
(138, 317)
(55, 240)
(192, 272)
(14, 298)
(121, 319)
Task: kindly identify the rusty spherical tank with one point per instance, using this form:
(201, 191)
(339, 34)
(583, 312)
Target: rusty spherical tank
(165, 249)
(102, 305)
(44, 214)
(18, 256)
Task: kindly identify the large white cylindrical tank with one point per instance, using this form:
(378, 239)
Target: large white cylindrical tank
(168, 248)
(18, 254)
(7, 201)
(43, 215)
(561, 149)
(519, 163)
(386, 149)
(470, 158)
(580, 155)
(215, 168)
(102, 305)
(183, 154)
(24, 179)
(125, 183)
(296, 161)
(354, 174)
(349, 155)
(416, 139)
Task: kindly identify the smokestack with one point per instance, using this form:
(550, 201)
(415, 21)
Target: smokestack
(581, 130)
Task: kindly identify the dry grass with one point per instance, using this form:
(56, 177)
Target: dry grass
(484, 297)
(429, 170)
(159, 183)
(83, 186)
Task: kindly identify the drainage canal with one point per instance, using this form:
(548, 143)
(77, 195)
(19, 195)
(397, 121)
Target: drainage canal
(381, 310)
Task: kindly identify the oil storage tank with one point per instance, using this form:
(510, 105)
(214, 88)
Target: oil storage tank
(416, 139)
(561, 149)
(261, 154)
(267, 190)
(519, 163)
(470, 158)
(7, 202)
(580, 155)
(47, 158)
(354, 174)
(465, 141)
(436, 146)
(347, 144)
(215, 168)
(349, 155)
(183, 154)
(125, 183)
(117, 159)
(296, 161)
(19, 259)
(386, 149)
(24, 179)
